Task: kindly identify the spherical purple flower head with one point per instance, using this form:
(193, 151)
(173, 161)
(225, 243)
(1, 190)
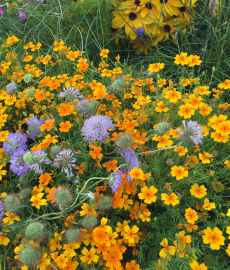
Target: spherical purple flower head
(191, 132)
(140, 31)
(10, 88)
(70, 93)
(39, 159)
(2, 210)
(22, 15)
(34, 126)
(115, 180)
(95, 128)
(66, 161)
(18, 165)
(131, 160)
(15, 139)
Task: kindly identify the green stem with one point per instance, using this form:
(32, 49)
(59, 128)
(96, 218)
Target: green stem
(158, 150)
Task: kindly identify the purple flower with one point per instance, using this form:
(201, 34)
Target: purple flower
(131, 160)
(22, 15)
(34, 126)
(95, 128)
(39, 159)
(191, 132)
(1, 10)
(18, 165)
(17, 140)
(70, 93)
(10, 88)
(140, 31)
(39, 1)
(115, 180)
(2, 210)
(65, 161)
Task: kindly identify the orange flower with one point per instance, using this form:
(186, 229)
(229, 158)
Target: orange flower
(214, 237)
(52, 194)
(96, 152)
(163, 141)
(104, 53)
(173, 96)
(100, 235)
(37, 200)
(182, 151)
(181, 59)
(65, 110)
(155, 67)
(68, 224)
(198, 192)
(132, 266)
(167, 249)
(137, 173)
(191, 215)
(58, 45)
(186, 111)
(113, 257)
(48, 125)
(179, 172)
(45, 179)
(172, 198)
(148, 194)
(208, 206)
(130, 233)
(65, 126)
(206, 157)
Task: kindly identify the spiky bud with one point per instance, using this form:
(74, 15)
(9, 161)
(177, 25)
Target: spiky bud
(70, 96)
(64, 198)
(162, 128)
(30, 93)
(23, 180)
(35, 231)
(11, 203)
(30, 256)
(105, 203)
(118, 84)
(124, 141)
(27, 78)
(92, 107)
(28, 157)
(25, 193)
(89, 222)
(55, 149)
(72, 235)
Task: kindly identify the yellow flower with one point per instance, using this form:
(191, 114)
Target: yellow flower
(195, 266)
(104, 53)
(181, 59)
(179, 172)
(155, 67)
(186, 111)
(37, 200)
(167, 249)
(191, 215)
(208, 206)
(198, 192)
(148, 194)
(214, 237)
(172, 198)
(4, 240)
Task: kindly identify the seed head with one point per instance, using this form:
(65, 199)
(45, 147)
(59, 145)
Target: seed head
(64, 198)
(35, 231)
(11, 203)
(30, 256)
(73, 235)
(89, 222)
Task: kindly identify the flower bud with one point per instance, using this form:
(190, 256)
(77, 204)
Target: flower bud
(124, 141)
(118, 84)
(89, 222)
(30, 256)
(162, 128)
(92, 107)
(28, 157)
(64, 198)
(25, 193)
(11, 203)
(105, 204)
(72, 235)
(30, 92)
(55, 149)
(27, 78)
(35, 231)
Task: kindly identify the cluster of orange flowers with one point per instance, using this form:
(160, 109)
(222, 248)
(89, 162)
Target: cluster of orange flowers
(137, 107)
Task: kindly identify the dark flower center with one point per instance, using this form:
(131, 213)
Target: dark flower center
(113, 29)
(132, 16)
(137, 2)
(163, 1)
(167, 28)
(182, 9)
(149, 6)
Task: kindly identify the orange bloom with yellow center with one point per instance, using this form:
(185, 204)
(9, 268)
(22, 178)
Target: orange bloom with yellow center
(181, 59)
(179, 172)
(96, 153)
(148, 194)
(130, 234)
(173, 96)
(48, 125)
(137, 173)
(214, 237)
(191, 215)
(155, 67)
(113, 257)
(198, 192)
(163, 141)
(186, 111)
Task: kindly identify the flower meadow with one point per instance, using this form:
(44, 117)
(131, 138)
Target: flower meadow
(101, 169)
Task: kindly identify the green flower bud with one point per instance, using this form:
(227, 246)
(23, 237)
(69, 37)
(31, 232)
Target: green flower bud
(118, 84)
(23, 180)
(55, 149)
(105, 203)
(30, 93)
(92, 107)
(162, 128)
(72, 235)
(64, 198)
(70, 96)
(11, 203)
(30, 256)
(27, 78)
(28, 157)
(89, 222)
(34, 231)
(25, 193)
(124, 141)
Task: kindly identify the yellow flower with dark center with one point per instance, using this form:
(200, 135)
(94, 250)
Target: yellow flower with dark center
(168, 7)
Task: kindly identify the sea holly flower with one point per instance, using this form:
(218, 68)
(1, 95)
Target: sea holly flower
(70, 93)
(214, 238)
(36, 160)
